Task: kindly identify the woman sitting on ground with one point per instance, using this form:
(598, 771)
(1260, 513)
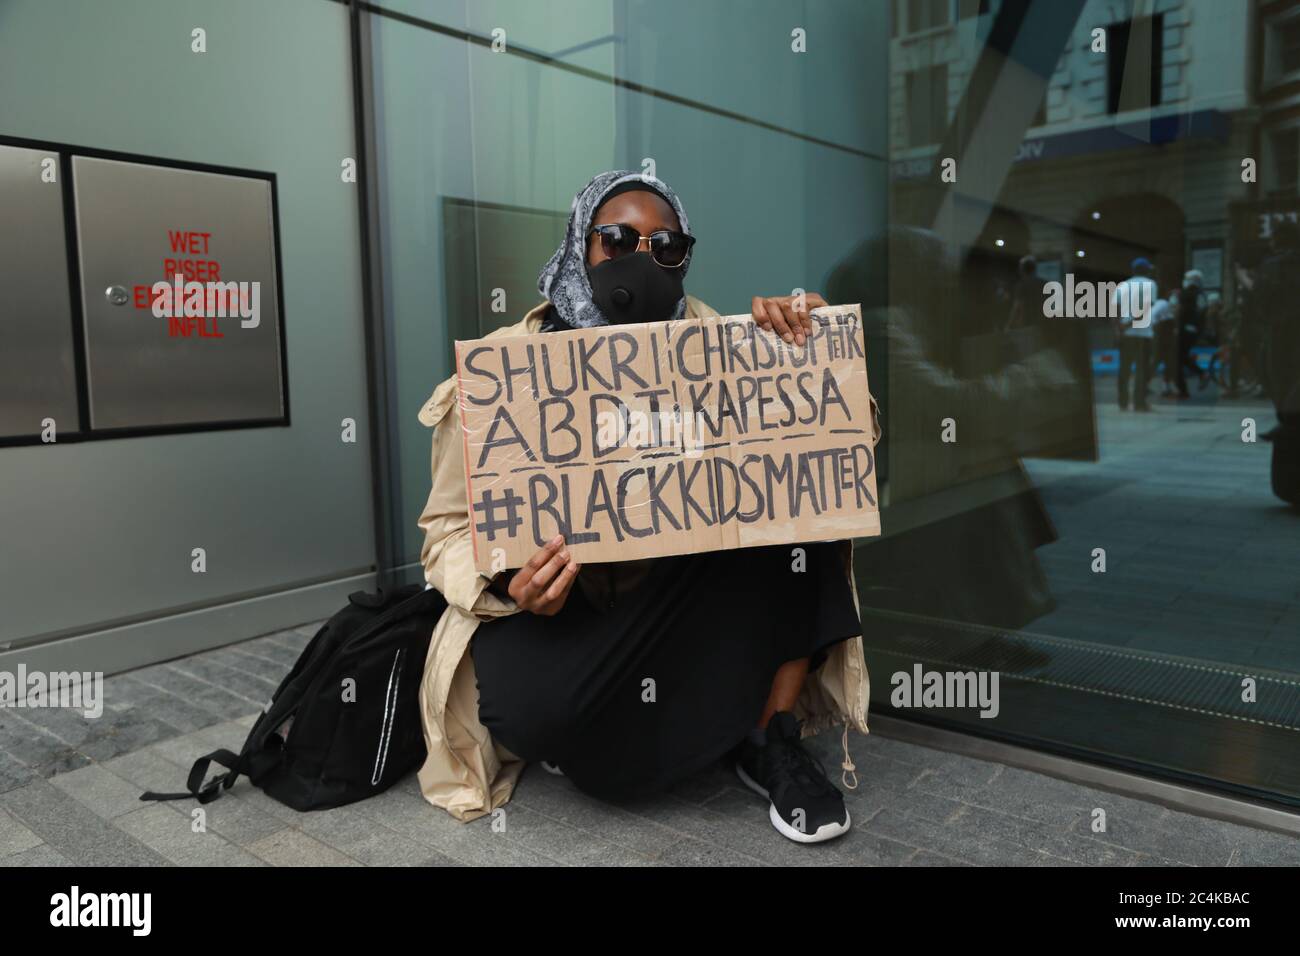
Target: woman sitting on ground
(748, 649)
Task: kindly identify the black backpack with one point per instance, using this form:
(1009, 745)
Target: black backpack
(311, 748)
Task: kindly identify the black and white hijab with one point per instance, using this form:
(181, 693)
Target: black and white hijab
(563, 280)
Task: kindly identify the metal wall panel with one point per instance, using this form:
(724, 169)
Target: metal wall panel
(106, 527)
(136, 225)
(37, 363)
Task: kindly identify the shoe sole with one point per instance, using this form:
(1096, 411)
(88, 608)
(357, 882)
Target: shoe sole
(827, 831)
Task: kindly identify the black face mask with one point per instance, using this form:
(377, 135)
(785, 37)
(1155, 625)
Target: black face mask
(635, 288)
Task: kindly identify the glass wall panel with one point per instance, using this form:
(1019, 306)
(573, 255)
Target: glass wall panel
(481, 153)
(1088, 508)
(1093, 509)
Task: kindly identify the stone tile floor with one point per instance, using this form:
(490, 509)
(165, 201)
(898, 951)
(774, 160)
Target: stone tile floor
(1187, 514)
(69, 791)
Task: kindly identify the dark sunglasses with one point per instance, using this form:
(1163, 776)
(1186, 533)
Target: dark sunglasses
(667, 248)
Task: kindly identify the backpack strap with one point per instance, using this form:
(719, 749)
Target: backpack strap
(235, 763)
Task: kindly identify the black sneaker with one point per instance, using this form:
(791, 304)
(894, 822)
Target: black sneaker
(805, 805)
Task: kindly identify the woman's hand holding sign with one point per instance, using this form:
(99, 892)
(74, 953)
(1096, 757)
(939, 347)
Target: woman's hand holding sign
(543, 584)
(787, 315)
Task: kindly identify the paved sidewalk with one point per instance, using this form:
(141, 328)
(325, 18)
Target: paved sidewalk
(1201, 556)
(69, 792)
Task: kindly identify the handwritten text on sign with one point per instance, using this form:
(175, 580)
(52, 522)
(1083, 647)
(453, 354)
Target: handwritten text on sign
(666, 438)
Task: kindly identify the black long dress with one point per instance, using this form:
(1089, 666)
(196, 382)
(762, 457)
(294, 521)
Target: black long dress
(631, 689)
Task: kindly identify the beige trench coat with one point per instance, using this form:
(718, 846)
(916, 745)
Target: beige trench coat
(466, 772)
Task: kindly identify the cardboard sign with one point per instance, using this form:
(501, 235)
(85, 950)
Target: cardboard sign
(637, 441)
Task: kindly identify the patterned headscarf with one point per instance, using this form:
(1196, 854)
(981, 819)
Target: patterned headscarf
(563, 280)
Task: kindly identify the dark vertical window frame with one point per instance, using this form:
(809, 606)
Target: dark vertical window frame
(1284, 158)
(1118, 37)
(76, 304)
(382, 408)
(1157, 59)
